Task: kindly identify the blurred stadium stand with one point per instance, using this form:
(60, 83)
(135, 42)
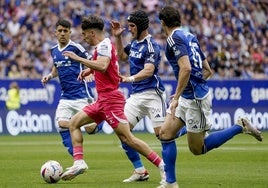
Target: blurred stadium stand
(232, 33)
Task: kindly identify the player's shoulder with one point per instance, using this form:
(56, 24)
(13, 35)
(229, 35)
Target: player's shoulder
(179, 36)
(105, 44)
(54, 47)
(183, 34)
(152, 44)
(106, 41)
(77, 45)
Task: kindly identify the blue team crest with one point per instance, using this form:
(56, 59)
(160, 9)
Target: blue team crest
(176, 51)
(151, 58)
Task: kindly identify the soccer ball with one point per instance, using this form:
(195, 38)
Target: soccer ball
(51, 171)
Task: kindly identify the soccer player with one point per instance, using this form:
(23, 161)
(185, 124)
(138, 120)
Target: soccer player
(148, 93)
(110, 102)
(75, 94)
(13, 100)
(191, 104)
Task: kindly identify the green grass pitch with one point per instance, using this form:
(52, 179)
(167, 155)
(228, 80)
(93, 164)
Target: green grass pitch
(241, 162)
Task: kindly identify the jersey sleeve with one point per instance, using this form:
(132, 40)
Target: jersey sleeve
(104, 49)
(127, 49)
(82, 52)
(178, 47)
(153, 53)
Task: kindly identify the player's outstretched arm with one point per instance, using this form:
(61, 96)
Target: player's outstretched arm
(117, 31)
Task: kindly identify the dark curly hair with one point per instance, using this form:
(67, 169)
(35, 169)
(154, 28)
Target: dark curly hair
(92, 22)
(170, 16)
(64, 23)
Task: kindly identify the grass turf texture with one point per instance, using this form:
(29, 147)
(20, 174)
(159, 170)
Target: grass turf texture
(241, 162)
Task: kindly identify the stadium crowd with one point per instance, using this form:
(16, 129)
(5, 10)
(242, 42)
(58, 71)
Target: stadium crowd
(232, 33)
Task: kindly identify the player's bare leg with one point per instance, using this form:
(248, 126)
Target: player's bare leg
(79, 166)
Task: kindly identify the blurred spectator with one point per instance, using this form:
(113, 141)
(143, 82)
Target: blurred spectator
(247, 73)
(13, 96)
(233, 34)
(14, 72)
(13, 25)
(259, 72)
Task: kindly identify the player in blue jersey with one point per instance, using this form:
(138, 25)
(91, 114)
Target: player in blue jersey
(148, 93)
(191, 104)
(74, 94)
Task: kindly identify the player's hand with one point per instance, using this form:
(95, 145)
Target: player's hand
(117, 30)
(124, 78)
(85, 74)
(81, 76)
(70, 54)
(173, 105)
(89, 78)
(45, 79)
(171, 98)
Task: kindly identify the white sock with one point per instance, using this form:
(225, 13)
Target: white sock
(140, 169)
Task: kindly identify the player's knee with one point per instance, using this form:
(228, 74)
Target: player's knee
(63, 124)
(196, 151)
(93, 129)
(164, 141)
(163, 136)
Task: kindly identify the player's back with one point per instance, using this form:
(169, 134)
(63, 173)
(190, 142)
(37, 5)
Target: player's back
(181, 43)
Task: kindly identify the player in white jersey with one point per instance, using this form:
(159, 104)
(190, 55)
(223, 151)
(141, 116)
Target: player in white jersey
(148, 93)
(75, 94)
(191, 104)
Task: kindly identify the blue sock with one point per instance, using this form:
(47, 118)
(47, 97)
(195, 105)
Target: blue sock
(99, 127)
(181, 132)
(216, 139)
(132, 155)
(67, 141)
(169, 154)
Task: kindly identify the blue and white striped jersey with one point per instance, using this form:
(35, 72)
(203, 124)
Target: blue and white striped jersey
(68, 71)
(140, 53)
(181, 43)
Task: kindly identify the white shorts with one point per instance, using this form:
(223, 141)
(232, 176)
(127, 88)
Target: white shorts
(195, 113)
(68, 108)
(149, 103)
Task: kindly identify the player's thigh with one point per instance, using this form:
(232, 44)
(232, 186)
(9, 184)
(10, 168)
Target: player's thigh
(79, 104)
(79, 119)
(156, 107)
(123, 132)
(196, 114)
(68, 108)
(197, 123)
(64, 110)
(133, 111)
